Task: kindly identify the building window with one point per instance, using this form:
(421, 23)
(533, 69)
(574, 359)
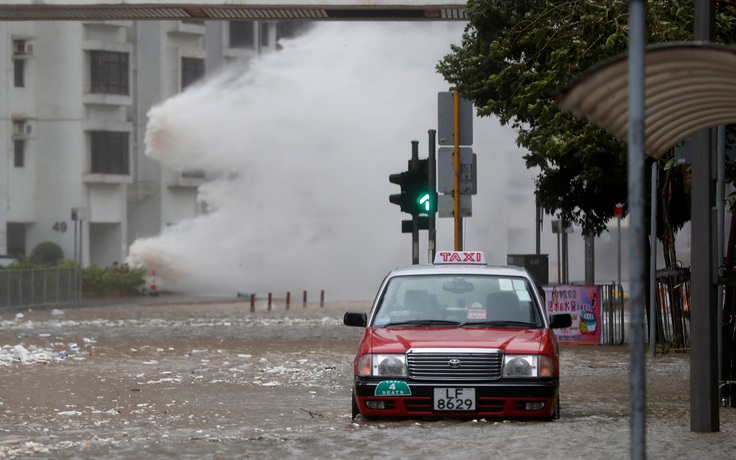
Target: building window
(192, 69)
(21, 128)
(109, 152)
(16, 238)
(263, 28)
(19, 146)
(19, 73)
(292, 29)
(109, 72)
(242, 34)
(193, 174)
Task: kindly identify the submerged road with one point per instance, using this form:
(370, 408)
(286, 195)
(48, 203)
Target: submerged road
(206, 378)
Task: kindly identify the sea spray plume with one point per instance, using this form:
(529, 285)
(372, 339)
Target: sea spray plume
(304, 142)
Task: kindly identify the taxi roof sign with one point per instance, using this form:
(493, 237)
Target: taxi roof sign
(460, 257)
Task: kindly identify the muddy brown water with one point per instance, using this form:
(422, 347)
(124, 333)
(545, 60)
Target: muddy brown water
(214, 380)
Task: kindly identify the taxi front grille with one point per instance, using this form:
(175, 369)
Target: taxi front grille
(454, 365)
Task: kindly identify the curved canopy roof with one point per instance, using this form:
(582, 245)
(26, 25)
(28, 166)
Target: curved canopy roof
(689, 86)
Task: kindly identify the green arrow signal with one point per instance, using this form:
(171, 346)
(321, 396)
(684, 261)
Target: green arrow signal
(425, 202)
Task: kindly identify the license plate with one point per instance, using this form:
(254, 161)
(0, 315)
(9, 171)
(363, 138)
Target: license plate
(454, 399)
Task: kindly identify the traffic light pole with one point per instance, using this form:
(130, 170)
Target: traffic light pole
(432, 173)
(414, 217)
(456, 168)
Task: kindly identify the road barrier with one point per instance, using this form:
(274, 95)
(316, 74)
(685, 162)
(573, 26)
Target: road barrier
(37, 287)
(287, 300)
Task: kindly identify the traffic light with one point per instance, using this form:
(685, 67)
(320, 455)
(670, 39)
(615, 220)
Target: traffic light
(405, 180)
(415, 198)
(424, 200)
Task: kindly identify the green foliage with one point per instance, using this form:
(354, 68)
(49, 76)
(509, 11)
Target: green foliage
(97, 281)
(48, 253)
(108, 281)
(514, 58)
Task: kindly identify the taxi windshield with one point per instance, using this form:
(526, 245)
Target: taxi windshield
(457, 300)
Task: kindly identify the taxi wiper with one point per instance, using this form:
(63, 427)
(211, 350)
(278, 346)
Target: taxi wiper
(498, 323)
(423, 322)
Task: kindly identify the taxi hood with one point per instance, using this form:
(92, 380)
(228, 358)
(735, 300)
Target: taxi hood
(398, 340)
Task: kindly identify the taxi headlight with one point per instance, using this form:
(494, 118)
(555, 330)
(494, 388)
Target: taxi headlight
(384, 365)
(393, 365)
(527, 366)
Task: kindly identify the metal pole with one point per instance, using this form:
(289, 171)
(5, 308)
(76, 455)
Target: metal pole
(76, 260)
(539, 230)
(619, 251)
(637, 379)
(565, 262)
(431, 225)
(704, 395)
(81, 260)
(559, 260)
(720, 209)
(589, 259)
(653, 264)
(414, 217)
(456, 169)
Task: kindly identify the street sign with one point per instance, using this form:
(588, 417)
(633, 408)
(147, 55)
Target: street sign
(446, 120)
(446, 171)
(446, 206)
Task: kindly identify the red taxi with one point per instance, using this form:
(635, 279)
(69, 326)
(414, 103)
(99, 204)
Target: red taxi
(458, 338)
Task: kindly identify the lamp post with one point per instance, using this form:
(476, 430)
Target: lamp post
(78, 216)
(618, 211)
(556, 230)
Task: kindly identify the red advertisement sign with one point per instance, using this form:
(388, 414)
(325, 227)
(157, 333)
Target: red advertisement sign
(583, 303)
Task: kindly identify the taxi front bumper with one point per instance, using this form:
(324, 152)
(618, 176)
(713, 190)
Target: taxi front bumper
(522, 399)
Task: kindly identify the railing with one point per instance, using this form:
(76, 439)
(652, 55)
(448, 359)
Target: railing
(612, 313)
(36, 287)
(673, 312)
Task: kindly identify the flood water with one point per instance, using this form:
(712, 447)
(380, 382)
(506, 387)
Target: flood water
(215, 380)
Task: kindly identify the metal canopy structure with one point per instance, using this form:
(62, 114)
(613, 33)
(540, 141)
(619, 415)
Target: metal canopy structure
(689, 86)
(679, 89)
(257, 10)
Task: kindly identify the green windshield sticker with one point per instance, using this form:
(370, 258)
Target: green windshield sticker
(393, 388)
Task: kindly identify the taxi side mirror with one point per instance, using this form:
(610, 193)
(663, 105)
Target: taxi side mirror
(560, 320)
(359, 319)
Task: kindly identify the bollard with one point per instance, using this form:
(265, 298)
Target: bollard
(322, 298)
(288, 299)
(304, 299)
(252, 303)
(269, 301)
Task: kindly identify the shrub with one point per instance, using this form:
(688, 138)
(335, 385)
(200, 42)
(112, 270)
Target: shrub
(108, 282)
(47, 253)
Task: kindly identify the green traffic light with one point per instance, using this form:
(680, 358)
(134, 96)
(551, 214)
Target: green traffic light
(425, 202)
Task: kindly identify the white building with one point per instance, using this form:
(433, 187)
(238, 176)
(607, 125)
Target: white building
(72, 126)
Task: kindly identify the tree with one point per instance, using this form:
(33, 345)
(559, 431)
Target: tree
(516, 55)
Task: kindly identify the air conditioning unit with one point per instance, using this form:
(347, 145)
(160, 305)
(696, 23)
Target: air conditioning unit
(22, 128)
(22, 47)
